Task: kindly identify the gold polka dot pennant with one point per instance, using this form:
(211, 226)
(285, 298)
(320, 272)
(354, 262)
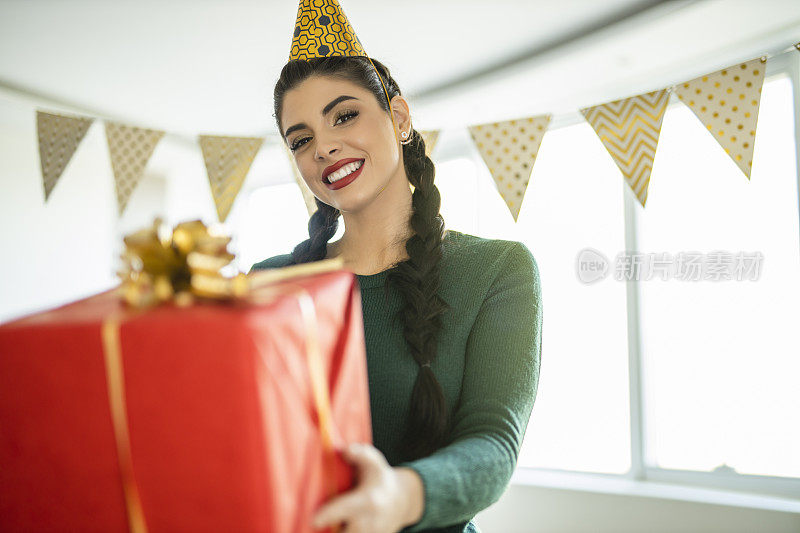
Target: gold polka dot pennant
(59, 137)
(629, 129)
(130, 149)
(430, 137)
(509, 150)
(308, 196)
(726, 102)
(228, 160)
(322, 30)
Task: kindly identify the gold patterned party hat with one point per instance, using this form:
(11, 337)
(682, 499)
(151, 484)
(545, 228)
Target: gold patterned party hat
(322, 30)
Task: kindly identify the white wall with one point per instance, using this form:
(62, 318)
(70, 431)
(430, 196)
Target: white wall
(58, 252)
(68, 248)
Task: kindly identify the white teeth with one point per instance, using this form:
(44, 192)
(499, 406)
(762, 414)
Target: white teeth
(344, 171)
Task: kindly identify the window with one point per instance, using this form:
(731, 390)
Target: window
(719, 358)
(718, 392)
(275, 220)
(580, 420)
(457, 181)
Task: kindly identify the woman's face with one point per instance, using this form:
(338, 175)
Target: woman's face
(329, 121)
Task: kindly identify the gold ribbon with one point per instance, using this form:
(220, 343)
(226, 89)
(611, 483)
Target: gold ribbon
(319, 383)
(319, 388)
(115, 381)
(318, 378)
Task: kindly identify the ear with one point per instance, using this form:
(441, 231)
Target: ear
(402, 114)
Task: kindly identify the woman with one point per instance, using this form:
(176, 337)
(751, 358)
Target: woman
(452, 321)
(470, 308)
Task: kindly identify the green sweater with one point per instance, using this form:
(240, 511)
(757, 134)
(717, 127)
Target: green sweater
(488, 359)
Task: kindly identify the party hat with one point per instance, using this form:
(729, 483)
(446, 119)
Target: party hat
(322, 30)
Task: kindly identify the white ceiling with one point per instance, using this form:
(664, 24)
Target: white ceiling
(209, 66)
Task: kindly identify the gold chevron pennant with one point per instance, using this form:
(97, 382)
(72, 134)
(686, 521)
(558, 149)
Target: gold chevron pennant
(509, 150)
(130, 149)
(629, 129)
(430, 137)
(323, 30)
(308, 196)
(228, 161)
(59, 137)
(727, 102)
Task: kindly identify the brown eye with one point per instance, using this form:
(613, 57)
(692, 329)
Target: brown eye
(298, 144)
(346, 114)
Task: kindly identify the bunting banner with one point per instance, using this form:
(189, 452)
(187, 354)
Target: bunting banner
(509, 150)
(308, 196)
(629, 129)
(130, 149)
(228, 161)
(726, 102)
(430, 137)
(59, 137)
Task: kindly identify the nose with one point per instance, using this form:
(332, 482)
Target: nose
(327, 145)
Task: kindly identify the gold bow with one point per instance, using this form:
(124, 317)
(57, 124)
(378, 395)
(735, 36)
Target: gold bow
(159, 263)
(186, 262)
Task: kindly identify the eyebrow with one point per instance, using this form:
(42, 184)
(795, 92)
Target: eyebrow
(325, 111)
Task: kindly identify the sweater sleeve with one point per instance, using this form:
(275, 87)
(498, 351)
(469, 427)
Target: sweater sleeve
(501, 377)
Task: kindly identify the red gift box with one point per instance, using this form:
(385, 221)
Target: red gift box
(209, 417)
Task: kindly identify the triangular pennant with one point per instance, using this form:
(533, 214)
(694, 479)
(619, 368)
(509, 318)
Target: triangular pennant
(430, 137)
(308, 196)
(59, 137)
(130, 149)
(509, 150)
(228, 161)
(726, 102)
(629, 129)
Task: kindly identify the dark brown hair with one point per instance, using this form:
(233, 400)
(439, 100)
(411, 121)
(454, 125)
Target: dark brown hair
(416, 278)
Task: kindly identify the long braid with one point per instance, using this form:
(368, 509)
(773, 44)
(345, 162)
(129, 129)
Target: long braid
(417, 279)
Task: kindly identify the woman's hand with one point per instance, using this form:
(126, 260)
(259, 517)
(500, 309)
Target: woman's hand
(385, 500)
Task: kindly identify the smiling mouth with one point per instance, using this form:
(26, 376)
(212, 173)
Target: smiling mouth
(343, 172)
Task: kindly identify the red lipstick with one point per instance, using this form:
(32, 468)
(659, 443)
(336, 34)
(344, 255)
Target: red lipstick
(347, 180)
(339, 164)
